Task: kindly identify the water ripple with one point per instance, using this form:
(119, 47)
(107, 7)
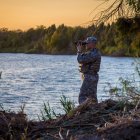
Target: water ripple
(34, 79)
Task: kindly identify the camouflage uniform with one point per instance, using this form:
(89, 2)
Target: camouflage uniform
(89, 67)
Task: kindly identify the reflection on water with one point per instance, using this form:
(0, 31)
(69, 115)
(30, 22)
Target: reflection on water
(34, 79)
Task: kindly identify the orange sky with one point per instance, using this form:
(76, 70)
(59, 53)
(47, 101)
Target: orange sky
(24, 14)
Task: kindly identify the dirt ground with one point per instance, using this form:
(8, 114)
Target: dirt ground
(108, 120)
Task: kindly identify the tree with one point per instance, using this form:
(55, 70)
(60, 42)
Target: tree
(118, 9)
(60, 40)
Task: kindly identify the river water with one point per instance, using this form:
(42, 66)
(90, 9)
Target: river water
(32, 79)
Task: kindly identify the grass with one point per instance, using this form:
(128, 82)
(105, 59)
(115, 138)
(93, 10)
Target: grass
(48, 113)
(67, 104)
(128, 90)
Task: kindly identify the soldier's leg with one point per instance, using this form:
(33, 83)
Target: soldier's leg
(83, 91)
(93, 91)
(93, 87)
(88, 88)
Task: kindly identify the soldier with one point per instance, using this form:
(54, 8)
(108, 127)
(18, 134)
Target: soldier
(89, 67)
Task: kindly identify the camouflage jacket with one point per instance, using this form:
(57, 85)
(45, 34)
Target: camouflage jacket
(89, 61)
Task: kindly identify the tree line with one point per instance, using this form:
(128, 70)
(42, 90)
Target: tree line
(120, 38)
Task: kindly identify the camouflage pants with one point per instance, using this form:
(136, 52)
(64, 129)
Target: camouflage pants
(88, 88)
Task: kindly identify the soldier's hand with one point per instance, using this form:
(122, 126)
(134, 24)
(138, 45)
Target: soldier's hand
(79, 48)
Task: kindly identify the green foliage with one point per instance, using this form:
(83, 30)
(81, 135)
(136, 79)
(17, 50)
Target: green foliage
(60, 40)
(128, 90)
(118, 39)
(134, 4)
(137, 67)
(67, 105)
(47, 113)
(1, 107)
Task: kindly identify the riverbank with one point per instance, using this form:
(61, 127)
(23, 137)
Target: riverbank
(89, 121)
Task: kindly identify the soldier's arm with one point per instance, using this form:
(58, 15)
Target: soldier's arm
(87, 57)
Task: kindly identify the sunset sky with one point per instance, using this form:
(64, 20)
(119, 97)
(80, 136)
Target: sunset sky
(24, 14)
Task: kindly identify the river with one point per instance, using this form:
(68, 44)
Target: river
(32, 79)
